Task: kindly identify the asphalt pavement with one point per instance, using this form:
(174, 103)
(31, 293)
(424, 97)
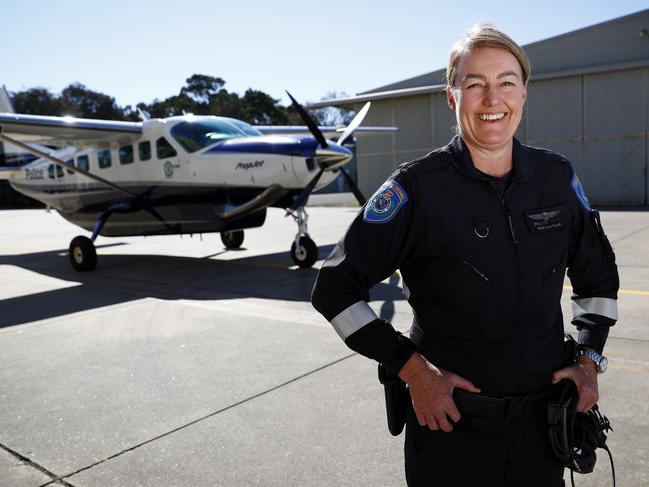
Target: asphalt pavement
(179, 363)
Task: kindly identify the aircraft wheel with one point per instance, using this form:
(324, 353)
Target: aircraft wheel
(305, 253)
(232, 239)
(83, 256)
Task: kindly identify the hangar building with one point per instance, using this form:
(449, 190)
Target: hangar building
(588, 98)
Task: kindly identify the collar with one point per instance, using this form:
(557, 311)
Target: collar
(522, 160)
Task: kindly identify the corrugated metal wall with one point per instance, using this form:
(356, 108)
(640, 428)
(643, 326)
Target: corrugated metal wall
(598, 121)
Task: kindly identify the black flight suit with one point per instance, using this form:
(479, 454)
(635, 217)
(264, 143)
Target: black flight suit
(483, 270)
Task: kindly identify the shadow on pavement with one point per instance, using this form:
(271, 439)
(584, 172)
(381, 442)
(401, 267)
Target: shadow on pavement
(123, 278)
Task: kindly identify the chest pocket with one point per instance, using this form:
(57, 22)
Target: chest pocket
(549, 235)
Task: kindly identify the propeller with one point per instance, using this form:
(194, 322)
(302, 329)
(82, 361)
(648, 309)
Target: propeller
(308, 121)
(355, 123)
(304, 194)
(319, 136)
(352, 185)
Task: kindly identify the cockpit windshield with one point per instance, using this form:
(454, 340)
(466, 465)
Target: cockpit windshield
(197, 134)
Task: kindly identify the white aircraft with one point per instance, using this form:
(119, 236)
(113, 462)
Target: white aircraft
(179, 175)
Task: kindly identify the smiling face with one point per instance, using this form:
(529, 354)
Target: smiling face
(488, 98)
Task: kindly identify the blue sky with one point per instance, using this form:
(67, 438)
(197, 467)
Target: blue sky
(141, 50)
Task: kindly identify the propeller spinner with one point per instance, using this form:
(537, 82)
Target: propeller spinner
(322, 162)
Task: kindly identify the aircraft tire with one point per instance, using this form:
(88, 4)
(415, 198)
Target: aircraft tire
(305, 253)
(83, 255)
(232, 239)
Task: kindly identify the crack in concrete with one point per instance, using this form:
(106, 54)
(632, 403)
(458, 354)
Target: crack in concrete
(55, 478)
(630, 235)
(207, 416)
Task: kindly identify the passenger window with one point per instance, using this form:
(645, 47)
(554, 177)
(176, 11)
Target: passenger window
(103, 159)
(69, 162)
(164, 149)
(59, 171)
(144, 150)
(50, 171)
(83, 163)
(126, 154)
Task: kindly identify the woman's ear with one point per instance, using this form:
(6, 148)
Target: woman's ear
(450, 98)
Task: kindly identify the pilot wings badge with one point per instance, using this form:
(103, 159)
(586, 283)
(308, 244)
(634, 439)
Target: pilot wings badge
(544, 220)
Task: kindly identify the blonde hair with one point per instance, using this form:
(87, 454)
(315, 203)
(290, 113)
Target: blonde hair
(484, 35)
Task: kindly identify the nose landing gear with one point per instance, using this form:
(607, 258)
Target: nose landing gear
(304, 251)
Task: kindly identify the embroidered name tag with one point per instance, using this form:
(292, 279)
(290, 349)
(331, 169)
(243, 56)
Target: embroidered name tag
(385, 203)
(544, 220)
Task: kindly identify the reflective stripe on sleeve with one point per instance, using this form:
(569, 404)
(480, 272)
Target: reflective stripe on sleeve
(353, 319)
(597, 306)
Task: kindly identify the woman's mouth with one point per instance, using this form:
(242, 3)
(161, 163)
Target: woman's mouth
(491, 117)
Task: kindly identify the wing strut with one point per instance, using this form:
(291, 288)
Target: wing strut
(59, 162)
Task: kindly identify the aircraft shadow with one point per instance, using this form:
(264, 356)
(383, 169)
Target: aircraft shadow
(124, 278)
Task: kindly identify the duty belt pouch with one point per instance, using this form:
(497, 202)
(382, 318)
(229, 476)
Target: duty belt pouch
(396, 397)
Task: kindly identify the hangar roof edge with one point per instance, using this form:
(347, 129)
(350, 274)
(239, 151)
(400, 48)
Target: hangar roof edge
(537, 52)
(422, 90)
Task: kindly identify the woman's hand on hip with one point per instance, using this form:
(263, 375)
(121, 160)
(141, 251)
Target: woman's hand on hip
(431, 390)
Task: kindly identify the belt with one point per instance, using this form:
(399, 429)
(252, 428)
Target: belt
(504, 408)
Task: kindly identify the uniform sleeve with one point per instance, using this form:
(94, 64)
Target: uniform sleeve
(381, 239)
(592, 272)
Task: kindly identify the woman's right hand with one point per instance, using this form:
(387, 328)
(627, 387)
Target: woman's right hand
(431, 390)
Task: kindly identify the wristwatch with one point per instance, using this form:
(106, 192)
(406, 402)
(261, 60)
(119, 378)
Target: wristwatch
(600, 360)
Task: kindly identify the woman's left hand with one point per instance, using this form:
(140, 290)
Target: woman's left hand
(584, 375)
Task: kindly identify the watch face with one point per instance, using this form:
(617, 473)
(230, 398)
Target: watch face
(603, 365)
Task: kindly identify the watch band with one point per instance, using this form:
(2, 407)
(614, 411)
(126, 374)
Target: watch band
(600, 360)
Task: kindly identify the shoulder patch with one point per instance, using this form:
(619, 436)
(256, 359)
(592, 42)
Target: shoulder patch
(577, 188)
(385, 203)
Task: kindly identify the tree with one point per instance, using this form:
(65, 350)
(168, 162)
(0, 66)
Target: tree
(260, 108)
(81, 102)
(202, 87)
(37, 101)
(333, 116)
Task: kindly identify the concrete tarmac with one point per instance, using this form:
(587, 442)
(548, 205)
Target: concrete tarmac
(178, 363)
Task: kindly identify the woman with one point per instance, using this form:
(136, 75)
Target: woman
(482, 231)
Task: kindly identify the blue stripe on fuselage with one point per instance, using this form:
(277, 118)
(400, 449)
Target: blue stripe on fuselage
(295, 145)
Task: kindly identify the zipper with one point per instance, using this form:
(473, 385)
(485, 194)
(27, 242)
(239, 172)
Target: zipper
(478, 272)
(512, 231)
(510, 223)
(558, 264)
(512, 234)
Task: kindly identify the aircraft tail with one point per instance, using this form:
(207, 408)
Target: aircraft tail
(11, 158)
(5, 101)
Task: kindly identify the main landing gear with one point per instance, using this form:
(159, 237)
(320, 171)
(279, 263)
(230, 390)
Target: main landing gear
(83, 255)
(304, 251)
(232, 239)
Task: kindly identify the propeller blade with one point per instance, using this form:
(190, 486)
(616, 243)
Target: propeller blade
(308, 121)
(355, 123)
(304, 194)
(352, 185)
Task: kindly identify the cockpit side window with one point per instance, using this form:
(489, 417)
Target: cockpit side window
(194, 135)
(164, 149)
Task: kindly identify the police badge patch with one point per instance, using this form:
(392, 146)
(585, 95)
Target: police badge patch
(575, 184)
(385, 203)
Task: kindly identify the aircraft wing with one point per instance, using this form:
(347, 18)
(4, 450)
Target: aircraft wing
(327, 130)
(67, 130)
